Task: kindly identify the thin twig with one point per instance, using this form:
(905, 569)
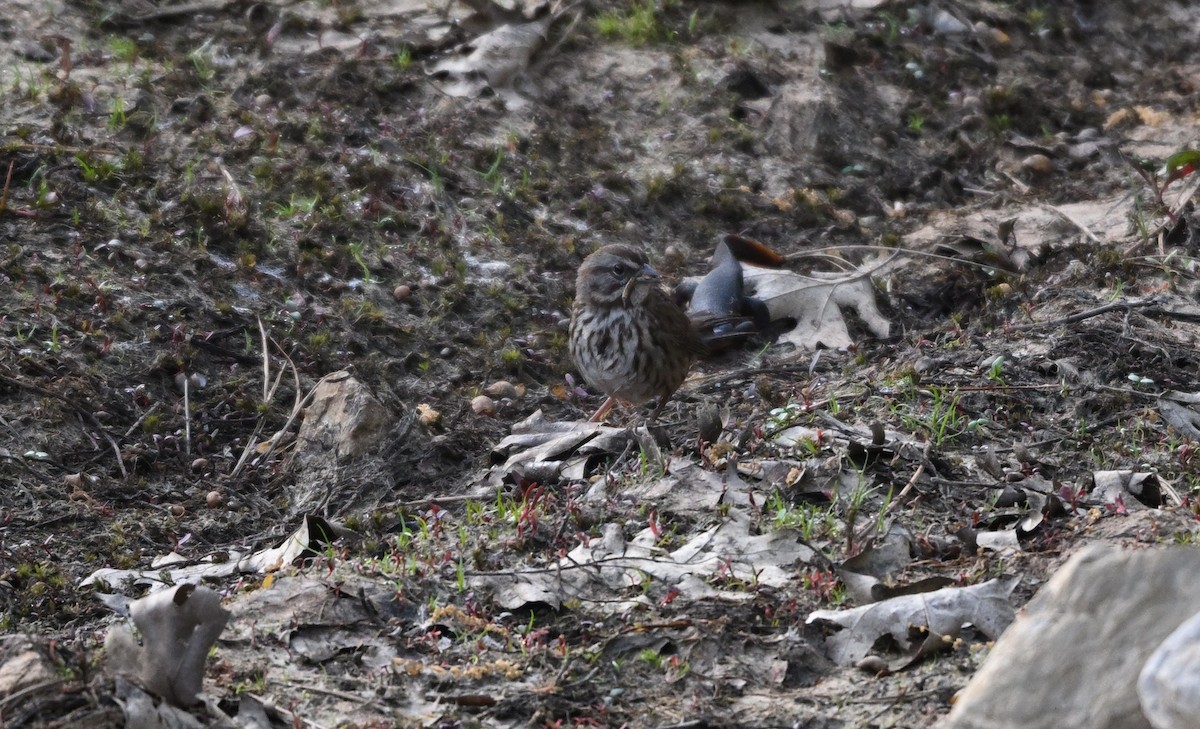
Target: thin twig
(13, 697)
(266, 358)
(59, 148)
(1072, 220)
(812, 252)
(439, 500)
(87, 415)
(7, 182)
(912, 482)
(297, 405)
(187, 416)
(285, 714)
(1125, 306)
(141, 419)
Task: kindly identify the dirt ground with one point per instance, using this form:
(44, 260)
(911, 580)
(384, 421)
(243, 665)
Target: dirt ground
(191, 191)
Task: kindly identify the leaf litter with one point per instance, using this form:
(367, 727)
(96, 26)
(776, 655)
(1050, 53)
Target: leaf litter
(347, 201)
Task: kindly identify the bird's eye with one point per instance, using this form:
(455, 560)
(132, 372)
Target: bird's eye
(620, 269)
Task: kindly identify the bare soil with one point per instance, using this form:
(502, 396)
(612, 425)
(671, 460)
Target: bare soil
(192, 190)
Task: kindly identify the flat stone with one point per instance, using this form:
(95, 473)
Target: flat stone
(1072, 659)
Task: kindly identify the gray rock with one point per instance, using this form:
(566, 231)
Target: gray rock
(1169, 685)
(1072, 660)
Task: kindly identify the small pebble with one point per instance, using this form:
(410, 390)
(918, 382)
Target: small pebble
(175, 510)
(946, 24)
(214, 499)
(483, 405)
(924, 365)
(402, 292)
(873, 664)
(503, 389)
(1038, 164)
(200, 464)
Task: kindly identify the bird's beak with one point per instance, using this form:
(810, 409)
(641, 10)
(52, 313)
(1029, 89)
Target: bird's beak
(644, 276)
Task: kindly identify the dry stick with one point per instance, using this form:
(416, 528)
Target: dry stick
(252, 442)
(339, 694)
(268, 395)
(994, 388)
(141, 419)
(439, 500)
(297, 405)
(296, 718)
(7, 182)
(90, 437)
(187, 417)
(253, 439)
(59, 148)
(912, 482)
(1021, 186)
(896, 251)
(1126, 306)
(173, 11)
(1072, 220)
(266, 358)
(91, 419)
(566, 34)
(13, 697)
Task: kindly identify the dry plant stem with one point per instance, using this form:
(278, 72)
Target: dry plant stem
(91, 419)
(297, 403)
(603, 410)
(266, 360)
(267, 391)
(1126, 306)
(552, 51)
(17, 695)
(820, 252)
(341, 695)
(60, 149)
(141, 419)
(1072, 220)
(439, 500)
(297, 720)
(912, 482)
(4, 194)
(172, 11)
(187, 416)
(297, 408)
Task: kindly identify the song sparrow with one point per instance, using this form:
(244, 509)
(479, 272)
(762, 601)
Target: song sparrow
(629, 338)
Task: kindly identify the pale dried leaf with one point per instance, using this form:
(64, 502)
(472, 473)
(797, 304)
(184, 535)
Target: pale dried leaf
(986, 606)
(1179, 410)
(601, 571)
(816, 303)
(494, 59)
(178, 626)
